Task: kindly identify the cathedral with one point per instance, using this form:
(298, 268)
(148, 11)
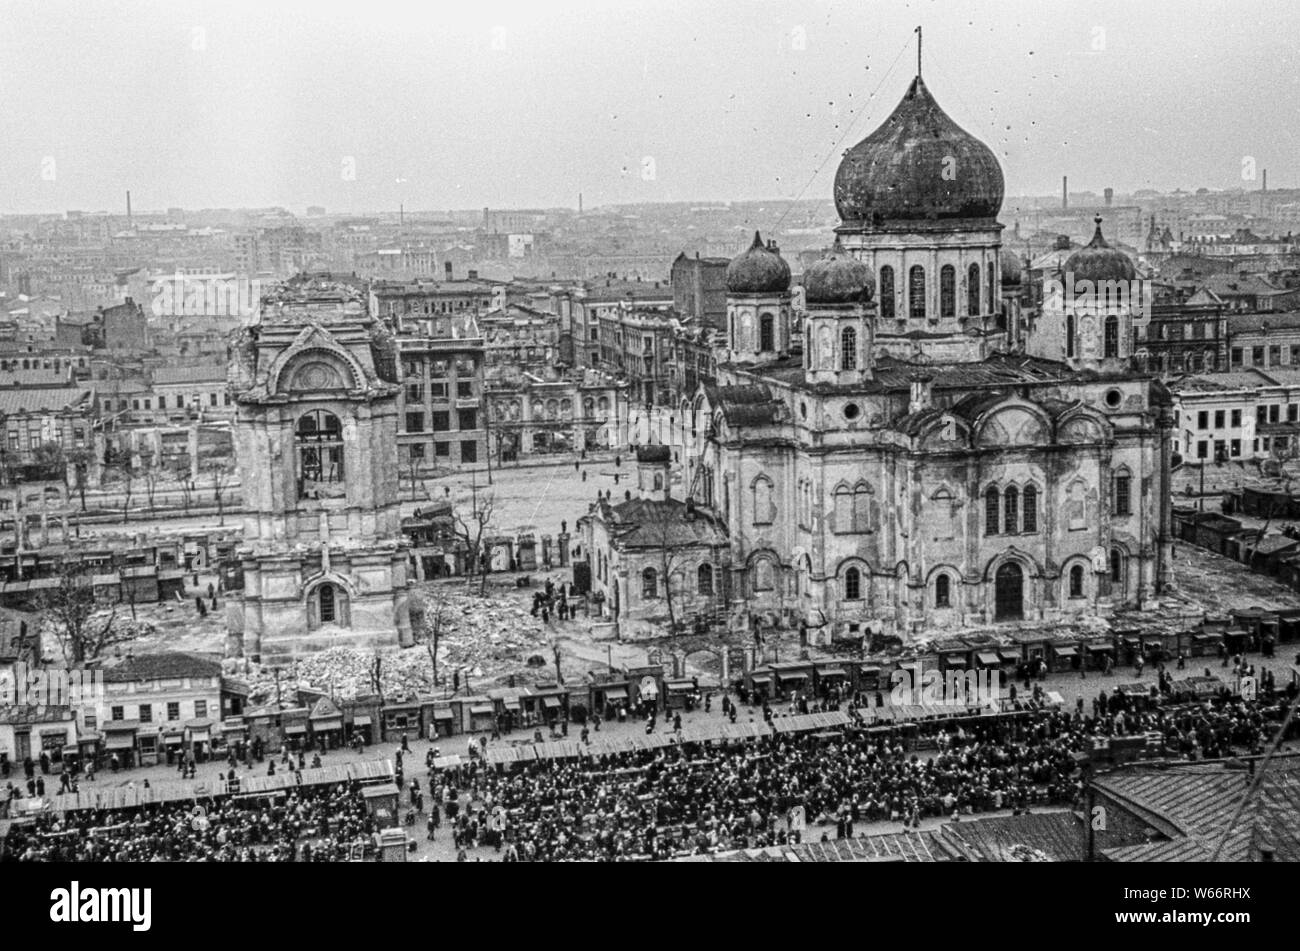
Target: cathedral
(324, 562)
(909, 454)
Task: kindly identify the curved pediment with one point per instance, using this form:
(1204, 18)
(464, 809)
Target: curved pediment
(316, 363)
(1082, 426)
(1014, 424)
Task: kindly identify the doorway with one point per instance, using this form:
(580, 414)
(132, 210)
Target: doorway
(1009, 593)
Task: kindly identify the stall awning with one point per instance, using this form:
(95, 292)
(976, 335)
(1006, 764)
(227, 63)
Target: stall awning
(550, 703)
(681, 686)
(829, 672)
(1101, 648)
(615, 693)
(442, 714)
(296, 729)
(1009, 656)
(987, 658)
(327, 723)
(119, 741)
(364, 720)
(761, 678)
(1066, 651)
(482, 710)
(791, 675)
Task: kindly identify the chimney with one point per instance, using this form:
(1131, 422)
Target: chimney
(1065, 191)
(446, 266)
(652, 476)
(1110, 196)
(1263, 187)
(128, 202)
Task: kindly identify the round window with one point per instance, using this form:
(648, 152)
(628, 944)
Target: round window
(852, 411)
(1113, 398)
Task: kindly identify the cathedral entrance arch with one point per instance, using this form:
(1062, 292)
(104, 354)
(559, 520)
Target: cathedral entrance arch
(1009, 593)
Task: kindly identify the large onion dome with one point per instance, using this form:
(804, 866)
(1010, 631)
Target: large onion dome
(918, 166)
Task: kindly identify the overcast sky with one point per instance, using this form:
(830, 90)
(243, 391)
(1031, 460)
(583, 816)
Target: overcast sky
(460, 105)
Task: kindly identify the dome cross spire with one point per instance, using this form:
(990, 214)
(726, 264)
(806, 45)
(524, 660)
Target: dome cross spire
(918, 52)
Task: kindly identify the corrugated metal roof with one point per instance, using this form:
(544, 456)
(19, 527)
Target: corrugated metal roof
(42, 400)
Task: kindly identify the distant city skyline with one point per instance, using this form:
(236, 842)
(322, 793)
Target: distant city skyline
(198, 106)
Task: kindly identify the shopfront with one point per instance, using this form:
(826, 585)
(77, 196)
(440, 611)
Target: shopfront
(326, 722)
(199, 737)
(1065, 655)
(607, 698)
(442, 721)
(119, 742)
(401, 719)
(679, 694)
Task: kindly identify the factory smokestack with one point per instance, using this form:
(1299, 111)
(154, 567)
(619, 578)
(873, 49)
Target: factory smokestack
(1065, 191)
(128, 206)
(1265, 185)
(1110, 196)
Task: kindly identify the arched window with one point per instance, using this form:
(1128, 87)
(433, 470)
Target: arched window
(862, 508)
(319, 441)
(1076, 581)
(942, 592)
(992, 284)
(1111, 342)
(973, 290)
(848, 349)
(763, 577)
(704, 580)
(991, 511)
(853, 585)
(659, 482)
(1011, 506)
(1030, 505)
(1116, 566)
(733, 332)
(649, 584)
(843, 509)
(766, 333)
(1123, 493)
(916, 292)
(1069, 335)
(886, 293)
(328, 608)
(947, 291)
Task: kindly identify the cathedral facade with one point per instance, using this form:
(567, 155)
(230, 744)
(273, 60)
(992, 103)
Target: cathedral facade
(928, 461)
(324, 562)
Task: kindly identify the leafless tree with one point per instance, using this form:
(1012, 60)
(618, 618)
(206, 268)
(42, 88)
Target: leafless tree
(470, 528)
(438, 619)
(376, 672)
(220, 472)
(671, 558)
(149, 475)
(80, 460)
(70, 608)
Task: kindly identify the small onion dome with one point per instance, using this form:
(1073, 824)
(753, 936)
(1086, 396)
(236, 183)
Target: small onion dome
(1098, 261)
(759, 270)
(653, 453)
(1011, 269)
(838, 278)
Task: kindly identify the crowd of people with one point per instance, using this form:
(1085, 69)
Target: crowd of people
(700, 798)
(305, 824)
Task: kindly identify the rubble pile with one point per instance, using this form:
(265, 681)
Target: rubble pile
(488, 638)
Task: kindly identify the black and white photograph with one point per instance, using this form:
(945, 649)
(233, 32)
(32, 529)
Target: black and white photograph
(697, 433)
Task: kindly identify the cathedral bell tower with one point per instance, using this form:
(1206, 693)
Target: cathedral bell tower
(314, 380)
(758, 304)
(839, 336)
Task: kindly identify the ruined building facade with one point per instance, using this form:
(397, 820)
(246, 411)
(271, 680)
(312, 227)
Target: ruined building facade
(314, 381)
